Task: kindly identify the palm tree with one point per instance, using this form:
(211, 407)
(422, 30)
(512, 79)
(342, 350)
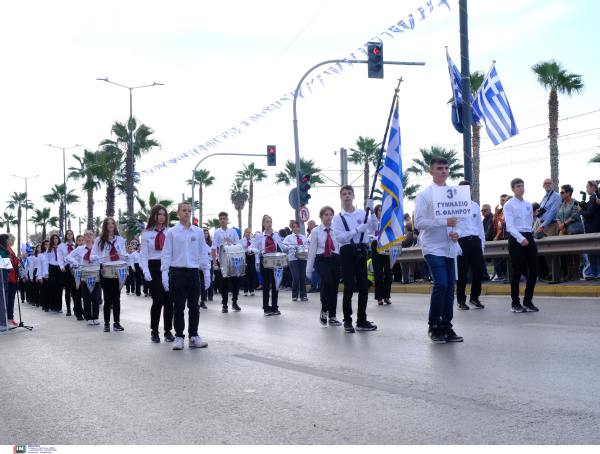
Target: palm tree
(410, 191)
(69, 217)
(57, 195)
(98, 224)
(42, 218)
(421, 165)
(367, 152)
(134, 223)
(212, 224)
(109, 170)
(87, 171)
(19, 200)
(142, 144)
(239, 197)
(8, 219)
(552, 76)
(203, 180)
(306, 166)
(251, 174)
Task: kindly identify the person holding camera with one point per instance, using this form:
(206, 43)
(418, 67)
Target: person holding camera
(547, 215)
(569, 223)
(590, 212)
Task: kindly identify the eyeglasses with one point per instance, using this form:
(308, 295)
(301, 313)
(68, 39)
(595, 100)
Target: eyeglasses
(89, 234)
(485, 209)
(547, 183)
(563, 192)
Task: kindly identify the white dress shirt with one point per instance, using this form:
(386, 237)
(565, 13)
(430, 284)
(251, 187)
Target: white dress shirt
(75, 258)
(136, 257)
(258, 244)
(219, 238)
(63, 251)
(148, 248)
(292, 241)
(471, 226)
(131, 262)
(317, 245)
(247, 245)
(518, 215)
(42, 265)
(353, 220)
(104, 254)
(434, 234)
(54, 259)
(184, 248)
(33, 261)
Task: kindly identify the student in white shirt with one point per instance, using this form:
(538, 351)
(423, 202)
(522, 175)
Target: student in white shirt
(42, 276)
(250, 275)
(77, 299)
(324, 255)
(518, 215)
(354, 239)
(436, 238)
(222, 236)
(382, 271)
(138, 272)
(471, 239)
(110, 247)
(65, 249)
(183, 254)
(151, 246)
(297, 266)
(55, 276)
(130, 282)
(34, 292)
(207, 292)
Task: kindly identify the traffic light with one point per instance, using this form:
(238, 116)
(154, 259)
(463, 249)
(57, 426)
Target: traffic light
(271, 155)
(375, 51)
(196, 222)
(304, 187)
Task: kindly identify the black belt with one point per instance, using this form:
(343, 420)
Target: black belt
(470, 237)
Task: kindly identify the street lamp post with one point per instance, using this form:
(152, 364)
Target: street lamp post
(64, 177)
(26, 205)
(130, 189)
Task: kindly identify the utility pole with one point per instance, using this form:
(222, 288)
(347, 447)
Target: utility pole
(343, 167)
(26, 206)
(465, 75)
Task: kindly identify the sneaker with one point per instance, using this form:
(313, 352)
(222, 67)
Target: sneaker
(312, 290)
(304, 298)
(268, 311)
(169, 337)
(128, 293)
(210, 298)
(154, 337)
(90, 322)
(13, 323)
(203, 305)
(348, 328)
(117, 327)
(245, 293)
(451, 336)
(499, 278)
(276, 312)
(476, 304)
(294, 299)
(96, 322)
(516, 307)
(196, 341)
(365, 326)
(334, 322)
(462, 305)
(251, 293)
(107, 327)
(79, 318)
(68, 314)
(224, 309)
(530, 307)
(178, 344)
(235, 307)
(230, 293)
(323, 318)
(436, 336)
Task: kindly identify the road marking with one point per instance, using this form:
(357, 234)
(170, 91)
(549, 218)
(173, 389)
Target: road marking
(450, 401)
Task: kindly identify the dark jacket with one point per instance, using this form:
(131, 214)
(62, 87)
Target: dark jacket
(408, 240)
(591, 216)
(487, 222)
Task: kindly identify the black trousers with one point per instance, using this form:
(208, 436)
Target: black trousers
(34, 292)
(382, 273)
(184, 285)
(78, 301)
(520, 255)
(55, 276)
(130, 282)
(161, 299)
(250, 275)
(328, 269)
(472, 256)
(268, 277)
(91, 301)
(70, 288)
(235, 288)
(44, 294)
(112, 296)
(206, 292)
(354, 265)
(138, 280)
(24, 290)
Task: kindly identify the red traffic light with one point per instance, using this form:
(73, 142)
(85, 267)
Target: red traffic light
(196, 222)
(376, 50)
(271, 150)
(305, 178)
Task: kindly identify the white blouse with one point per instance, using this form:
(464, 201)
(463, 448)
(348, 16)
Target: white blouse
(104, 253)
(148, 250)
(259, 244)
(292, 240)
(318, 237)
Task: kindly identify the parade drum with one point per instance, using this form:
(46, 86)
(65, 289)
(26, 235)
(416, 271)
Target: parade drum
(89, 271)
(301, 252)
(110, 270)
(275, 260)
(232, 260)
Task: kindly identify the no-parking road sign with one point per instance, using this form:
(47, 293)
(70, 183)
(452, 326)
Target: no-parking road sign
(304, 214)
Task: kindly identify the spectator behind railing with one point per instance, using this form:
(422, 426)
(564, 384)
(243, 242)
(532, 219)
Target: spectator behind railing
(591, 222)
(569, 223)
(407, 242)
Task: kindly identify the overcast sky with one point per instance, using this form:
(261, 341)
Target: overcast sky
(219, 64)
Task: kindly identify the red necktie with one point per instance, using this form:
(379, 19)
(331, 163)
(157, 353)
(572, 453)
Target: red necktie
(87, 254)
(329, 247)
(248, 252)
(114, 255)
(55, 255)
(69, 248)
(270, 244)
(159, 241)
(300, 243)
(377, 231)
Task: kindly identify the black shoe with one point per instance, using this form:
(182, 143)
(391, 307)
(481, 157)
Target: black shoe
(46, 310)
(203, 305)
(462, 305)
(154, 337)
(117, 327)
(530, 307)
(323, 318)
(312, 290)
(348, 328)
(235, 307)
(451, 336)
(68, 314)
(476, 304)
(169, 337)
(224, 309)
(365, 326)
(79, 317)
(210, 298)
(304, 298)
(516, 307)
(436, 336)
(107, 327)
(268, 311)
(276, 312)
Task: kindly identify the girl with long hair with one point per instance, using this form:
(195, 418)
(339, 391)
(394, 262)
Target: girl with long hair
(381, 266)
(206, 292)
(65, 249)
(250, 275)
(55, 277)
(42, 276)
(297, 265)
(34, 291)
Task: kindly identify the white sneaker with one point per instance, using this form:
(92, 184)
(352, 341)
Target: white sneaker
(127, 293)
(251, 293)
(195, 341)
(230, 293)
(90, 322)
(178, 344)
(96, 322)
(245, 293)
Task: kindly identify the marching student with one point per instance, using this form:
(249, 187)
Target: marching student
(55, 276)
(151, 245)
(138, 272)
(110, 247)
(351, 232)
(297, 266)
(250, 275)
(130, 282)
(381, 266)
(222, 236)
(264, 242)
(206, 292)
(83, 256)
(65, 249)
(324, 255)
(518, 216)
(471, 239)
(34, 291)
(437, 242)
(183, 254)
(42, 276)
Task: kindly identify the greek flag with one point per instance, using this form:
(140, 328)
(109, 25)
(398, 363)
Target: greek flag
(493, 109)
(456, 84)
(392, 206)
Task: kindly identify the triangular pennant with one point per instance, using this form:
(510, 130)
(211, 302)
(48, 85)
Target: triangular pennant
(90, 281)
(237, 261)
(77, 276)
(278, 275)
(122, 277)
(393, 255)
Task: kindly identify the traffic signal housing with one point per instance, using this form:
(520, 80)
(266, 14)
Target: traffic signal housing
(196, 222)
(271, 155)
(303, 189)
(375, 65)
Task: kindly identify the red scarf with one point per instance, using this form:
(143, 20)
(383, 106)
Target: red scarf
(87, 254)
(55, 255)
(159, 241)
(114, 255)
(270, 243)
(247, 246)
(69, 248)
(329, 247)
(300, 243)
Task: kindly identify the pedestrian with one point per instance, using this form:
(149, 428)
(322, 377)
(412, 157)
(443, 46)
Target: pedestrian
(13, 278)
(183, 254)
(547, 215)
(222, 236)
(407, 242)
(591, 220)
(208, 292)
(521, 246)
(42, 276)
(250, 262)
(55, 276)
(65, 249)
(130, 282)
(297, 265)
(34, 291)
(486, 212)
(138, 272)
(569, 223)
(382, 273)
(350, 229)
(4, 278)
(437, 241)
(495, 234)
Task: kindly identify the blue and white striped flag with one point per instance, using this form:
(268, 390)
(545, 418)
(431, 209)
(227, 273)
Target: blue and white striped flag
(392, 206)
(456, 83)
(493, 109)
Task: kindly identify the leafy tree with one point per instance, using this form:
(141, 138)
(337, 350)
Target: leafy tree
(212, 224)
(88, 172)
(306, 166)
(410, 191)
(57, 195)
(134, 224)
(18, 200)
(239, 197)
(98, 224)
(6, 220)
(367, 152)
(203, 180)
(109, 170)
(42, 218)
(251, 174)
(421, 165)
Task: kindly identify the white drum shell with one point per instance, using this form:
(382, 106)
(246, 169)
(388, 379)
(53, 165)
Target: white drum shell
(226, 254)
(110, 269)
(301, 252)
(275, 260)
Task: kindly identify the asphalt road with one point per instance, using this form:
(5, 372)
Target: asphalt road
(517, 378)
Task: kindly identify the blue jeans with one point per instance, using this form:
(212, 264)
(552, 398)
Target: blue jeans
(3, 305)
(498, 267)
(315, 281)
(298, 269)
(594, 260)
(442, 297)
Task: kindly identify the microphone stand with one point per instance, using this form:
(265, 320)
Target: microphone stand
(3, 267)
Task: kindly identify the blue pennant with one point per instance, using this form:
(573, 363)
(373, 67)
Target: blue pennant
(90, 281)
(278, 276)
(237, 262)
(122, 277)
(77, 277)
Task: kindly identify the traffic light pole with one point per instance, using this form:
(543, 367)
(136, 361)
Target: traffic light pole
(296, 144)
